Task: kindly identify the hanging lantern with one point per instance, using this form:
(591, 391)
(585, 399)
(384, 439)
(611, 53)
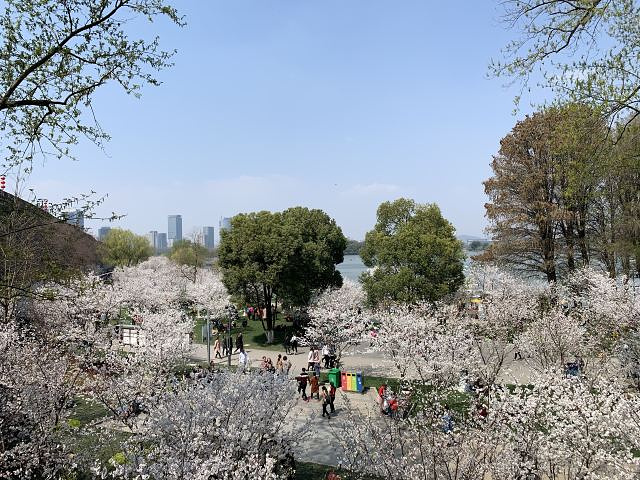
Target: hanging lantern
(2, 182)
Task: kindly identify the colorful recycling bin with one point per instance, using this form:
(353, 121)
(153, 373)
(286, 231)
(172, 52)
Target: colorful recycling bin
(334, 377)
(352, 382)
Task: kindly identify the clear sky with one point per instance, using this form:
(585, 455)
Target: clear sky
(329, 104)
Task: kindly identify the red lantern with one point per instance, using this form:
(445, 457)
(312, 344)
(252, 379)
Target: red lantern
(2, 182)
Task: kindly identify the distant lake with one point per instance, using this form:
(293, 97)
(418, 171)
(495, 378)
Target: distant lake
(352, 267)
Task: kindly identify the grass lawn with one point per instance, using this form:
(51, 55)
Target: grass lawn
(315, 471)
(311, 471)
(253, 333)
(86, 445)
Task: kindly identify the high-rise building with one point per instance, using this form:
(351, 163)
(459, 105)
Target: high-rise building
(174, 231)
(208, 239)
(225, 223)
(152, 236)
(74, 217)
(103, 232)
(161, 243)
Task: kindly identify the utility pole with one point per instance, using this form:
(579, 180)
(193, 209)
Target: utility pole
(208, 339)
(230, 343)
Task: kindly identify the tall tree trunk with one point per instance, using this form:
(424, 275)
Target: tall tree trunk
(569, 238)
(547, 244)
(581, 230)
(626, 265)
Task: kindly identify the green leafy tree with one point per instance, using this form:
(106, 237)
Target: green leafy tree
(353, 247)
(55, 54)
(414, 252)
(284, 256)
(477, 245)
(186, 252)
(190, 255)
(123, 248)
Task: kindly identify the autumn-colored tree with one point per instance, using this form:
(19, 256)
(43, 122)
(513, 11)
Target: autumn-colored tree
(545, 183)
(521, 192)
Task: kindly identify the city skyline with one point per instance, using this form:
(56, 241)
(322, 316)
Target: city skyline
(159, 240)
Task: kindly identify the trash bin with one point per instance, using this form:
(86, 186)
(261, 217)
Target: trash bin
(359, 382)
(345, 385)
(351, 381)
(334, 377)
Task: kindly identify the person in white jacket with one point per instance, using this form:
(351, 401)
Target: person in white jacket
(243, 360)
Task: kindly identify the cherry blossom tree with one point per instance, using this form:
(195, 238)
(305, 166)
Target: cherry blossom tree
(338, 318)
(507, 306)
(222, 425)
(37, 385)
(561, 427)
(431, 349)
(208, 292)
(419, 447)
(425, 342)
(554, 425)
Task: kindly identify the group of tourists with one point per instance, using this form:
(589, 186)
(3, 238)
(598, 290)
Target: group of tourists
(326, 355)
(225, 347)
(327, 396)
(255, 313)
(282, 366)
(291, 344)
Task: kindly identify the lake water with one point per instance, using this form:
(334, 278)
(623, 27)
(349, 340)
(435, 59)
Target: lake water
(352, 267)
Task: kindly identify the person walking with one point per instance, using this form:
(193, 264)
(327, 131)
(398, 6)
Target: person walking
(315, 388)
(243, 360)
(294, 343)
(325, 355)
(216, 348)
(302, 383)
(279, 364)
(316, 362)
(239, 342)
(310, 359)
(286, 365)
(325, 402)
(332, 397)
(287, 344)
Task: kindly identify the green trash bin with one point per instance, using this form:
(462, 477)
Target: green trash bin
(334, 377)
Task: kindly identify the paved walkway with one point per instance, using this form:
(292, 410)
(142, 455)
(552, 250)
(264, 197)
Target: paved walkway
(317, 436)
(368, 363)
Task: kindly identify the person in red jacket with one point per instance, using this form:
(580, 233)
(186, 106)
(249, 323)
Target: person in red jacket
(382, 391)
(332, 397)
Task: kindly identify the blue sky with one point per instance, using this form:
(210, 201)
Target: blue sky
(337, 105)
